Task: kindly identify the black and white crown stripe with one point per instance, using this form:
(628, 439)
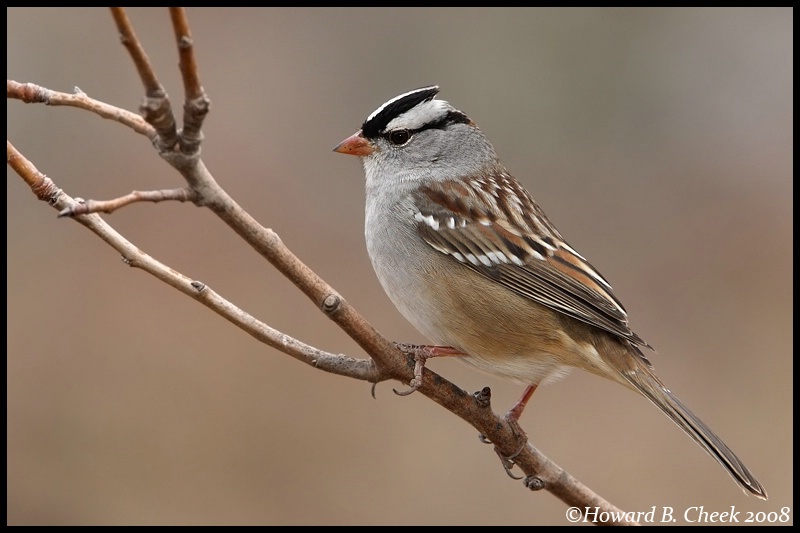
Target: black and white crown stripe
(380, 118)
(414, 111)
(412, 98)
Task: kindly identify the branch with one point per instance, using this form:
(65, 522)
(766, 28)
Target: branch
(109, 206)
(197, 104)
(46, 190)
(34, 94)
(155, 107)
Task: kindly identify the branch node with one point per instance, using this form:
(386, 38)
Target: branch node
(157, 111)
(29, 93)
(534, 483)
(483, 397)
(77, 208)
(331, 303)
(46, 190)
(199, 286)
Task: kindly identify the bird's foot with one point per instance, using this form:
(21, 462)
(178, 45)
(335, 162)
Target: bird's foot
(421, 354)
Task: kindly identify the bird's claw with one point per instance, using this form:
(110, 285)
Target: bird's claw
(508, 461)
(421, 353)
(413, 386)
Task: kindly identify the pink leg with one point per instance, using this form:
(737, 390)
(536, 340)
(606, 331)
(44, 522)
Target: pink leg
(512, 416)
(515, 412)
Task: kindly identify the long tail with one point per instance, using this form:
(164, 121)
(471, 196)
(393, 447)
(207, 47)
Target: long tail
(644, 381)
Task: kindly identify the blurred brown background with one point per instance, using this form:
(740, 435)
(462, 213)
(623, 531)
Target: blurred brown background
(658, 140)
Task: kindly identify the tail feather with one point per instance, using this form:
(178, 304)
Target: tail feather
(651, 387)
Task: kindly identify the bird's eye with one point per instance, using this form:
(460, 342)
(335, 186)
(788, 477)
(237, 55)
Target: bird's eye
(398, 137)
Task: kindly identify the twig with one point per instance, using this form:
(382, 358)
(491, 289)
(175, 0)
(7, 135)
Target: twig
(34, 94)
(155, 107)
(182, 194)
(197, 103)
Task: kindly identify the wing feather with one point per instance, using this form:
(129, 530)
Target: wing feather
(514, 244)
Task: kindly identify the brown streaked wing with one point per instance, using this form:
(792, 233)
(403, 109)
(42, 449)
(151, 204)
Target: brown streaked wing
(543, 269)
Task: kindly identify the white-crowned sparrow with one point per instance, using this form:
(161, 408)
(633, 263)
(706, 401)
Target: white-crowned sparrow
(468, 258)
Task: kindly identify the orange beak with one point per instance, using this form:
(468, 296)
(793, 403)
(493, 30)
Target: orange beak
(356, 144)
